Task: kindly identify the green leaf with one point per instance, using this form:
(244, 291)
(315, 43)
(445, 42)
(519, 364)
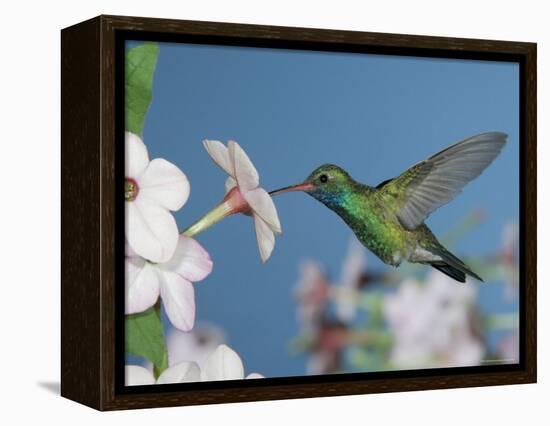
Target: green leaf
(145, 338)
(141, 62)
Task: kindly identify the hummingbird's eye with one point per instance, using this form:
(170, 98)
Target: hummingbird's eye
(323, 178)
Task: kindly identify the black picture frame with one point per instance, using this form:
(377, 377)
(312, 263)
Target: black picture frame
(92, 299)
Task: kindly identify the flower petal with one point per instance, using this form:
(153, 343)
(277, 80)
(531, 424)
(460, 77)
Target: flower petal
(183, 372)
(223, 364)
(254, 376)
(190, 260)
(165, 184)
(151, 230)
(230, 183)
(128, 250)
(352, 269)
(245, 172)
(142, 285)
(178, 297)
(220, 154)
(262, 204)
(136, 157)
(264, 237)
(134, 375)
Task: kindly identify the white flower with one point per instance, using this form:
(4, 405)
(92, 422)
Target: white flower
(244, 192)
(152, 189)
(171, 280)
(222, 364)
(432, 324)
(225, 364)
(185, 372)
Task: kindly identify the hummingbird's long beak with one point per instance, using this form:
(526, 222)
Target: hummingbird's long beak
(306, 186)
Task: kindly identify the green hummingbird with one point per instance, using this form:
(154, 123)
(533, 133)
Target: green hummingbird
(389, 219)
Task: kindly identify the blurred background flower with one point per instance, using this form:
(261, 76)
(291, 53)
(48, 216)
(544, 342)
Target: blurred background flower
(433, 323)
(312, 293)
(408, 318)
(194, 345)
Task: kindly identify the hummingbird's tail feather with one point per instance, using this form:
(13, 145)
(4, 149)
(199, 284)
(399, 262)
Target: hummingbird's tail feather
(451, 265)
(450, 271)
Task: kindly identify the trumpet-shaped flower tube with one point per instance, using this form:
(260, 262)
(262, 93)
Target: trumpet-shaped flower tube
(244, 195)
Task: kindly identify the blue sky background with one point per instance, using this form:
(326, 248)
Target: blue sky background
(292, 111)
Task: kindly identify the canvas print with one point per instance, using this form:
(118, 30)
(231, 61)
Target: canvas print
(295, 213)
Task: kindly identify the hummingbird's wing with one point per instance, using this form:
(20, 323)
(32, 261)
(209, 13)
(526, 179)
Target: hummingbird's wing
(431, 183)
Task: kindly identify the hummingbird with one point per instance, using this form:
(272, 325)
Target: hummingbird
(389, 219)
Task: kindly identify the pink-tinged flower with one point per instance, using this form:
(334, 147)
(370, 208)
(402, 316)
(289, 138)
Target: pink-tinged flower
(152, 189)
(353, 269)
(244, 195)
(312, 292)
(172, 280)
(185, 372)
